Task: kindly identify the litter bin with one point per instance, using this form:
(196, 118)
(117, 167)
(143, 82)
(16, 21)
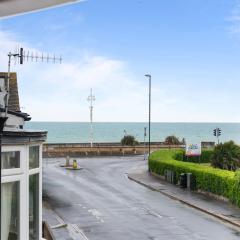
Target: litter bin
(183, 180)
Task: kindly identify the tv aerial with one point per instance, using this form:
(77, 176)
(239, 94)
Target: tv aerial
(21, 56)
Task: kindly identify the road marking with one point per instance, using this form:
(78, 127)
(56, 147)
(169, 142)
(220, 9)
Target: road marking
(76, 231)
(153, 213)
(96, 214)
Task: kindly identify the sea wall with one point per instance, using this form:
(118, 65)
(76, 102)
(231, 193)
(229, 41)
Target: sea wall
(53, 150)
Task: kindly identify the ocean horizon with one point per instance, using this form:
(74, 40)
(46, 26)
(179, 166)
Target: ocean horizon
(78, 132)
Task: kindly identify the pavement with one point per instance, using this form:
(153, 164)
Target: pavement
(208, 204)
(100, 202)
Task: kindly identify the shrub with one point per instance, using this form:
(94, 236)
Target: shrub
(226, 156)
(172, 140)
(221, 182)
(204, 158)
(129, 140)
(235, 195)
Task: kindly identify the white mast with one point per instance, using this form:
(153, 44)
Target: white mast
(91, 98)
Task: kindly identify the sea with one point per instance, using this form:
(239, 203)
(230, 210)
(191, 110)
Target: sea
(79, 132)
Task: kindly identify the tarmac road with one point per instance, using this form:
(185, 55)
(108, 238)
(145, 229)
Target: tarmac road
(99, 202)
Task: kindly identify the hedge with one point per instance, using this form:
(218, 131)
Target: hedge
(205, 157)
(221, 182)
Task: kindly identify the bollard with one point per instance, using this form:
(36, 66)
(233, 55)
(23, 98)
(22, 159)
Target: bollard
(67, 161)
(75, 166)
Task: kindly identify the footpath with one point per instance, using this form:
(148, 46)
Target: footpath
(60, 230)
(222, 210)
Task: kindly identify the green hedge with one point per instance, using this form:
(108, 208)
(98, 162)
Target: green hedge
(221, 182)
(205, 157)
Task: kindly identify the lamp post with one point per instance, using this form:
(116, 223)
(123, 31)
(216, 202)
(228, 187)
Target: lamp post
(149, 112)
(91, 98)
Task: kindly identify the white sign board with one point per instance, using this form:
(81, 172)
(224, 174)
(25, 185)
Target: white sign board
(193, 149)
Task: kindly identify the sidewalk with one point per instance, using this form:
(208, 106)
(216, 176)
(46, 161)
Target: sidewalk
(60, 229)
(216, 208)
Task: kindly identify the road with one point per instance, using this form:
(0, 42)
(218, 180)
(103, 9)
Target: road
(99, 202)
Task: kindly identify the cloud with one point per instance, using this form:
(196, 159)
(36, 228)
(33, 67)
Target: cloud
(234, 20)
(58, 92)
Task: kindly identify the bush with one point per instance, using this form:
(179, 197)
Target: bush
(235, 196)
(226, 156)
(204, 158)
(221, 182)
(129, 140)
(172, 140)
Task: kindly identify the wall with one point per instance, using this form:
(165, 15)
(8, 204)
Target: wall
(101, 149)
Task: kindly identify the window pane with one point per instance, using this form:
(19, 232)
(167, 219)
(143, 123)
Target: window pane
(10, 160)
(34, 207)
(33, 157)
(10, 211)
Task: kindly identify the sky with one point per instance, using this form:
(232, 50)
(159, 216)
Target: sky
(191, 49)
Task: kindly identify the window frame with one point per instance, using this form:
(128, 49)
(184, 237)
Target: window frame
(22, 202)
(22, 175)
(15, 171)
(34, 171)
(39, 155)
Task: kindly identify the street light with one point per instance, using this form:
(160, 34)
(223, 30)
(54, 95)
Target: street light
(149, 113)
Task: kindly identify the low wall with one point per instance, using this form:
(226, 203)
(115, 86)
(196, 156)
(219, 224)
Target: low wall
(52, 150)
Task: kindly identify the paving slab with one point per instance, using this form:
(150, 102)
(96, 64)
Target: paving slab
(60, 229)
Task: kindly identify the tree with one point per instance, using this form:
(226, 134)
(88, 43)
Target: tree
(129, 140)
(172, 140)
(226, 156)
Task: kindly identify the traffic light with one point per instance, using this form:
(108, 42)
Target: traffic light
(21, 55)
(219, 132)
(215, 132)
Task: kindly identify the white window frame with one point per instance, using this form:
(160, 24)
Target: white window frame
(22, 175)
(33, 170)
(39, 172)
(15, 171)
(22, 203)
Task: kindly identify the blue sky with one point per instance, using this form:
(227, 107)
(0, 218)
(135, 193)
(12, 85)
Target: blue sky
(191, 48)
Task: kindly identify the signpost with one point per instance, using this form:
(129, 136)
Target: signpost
(193, 150)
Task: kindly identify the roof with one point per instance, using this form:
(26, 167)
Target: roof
(23, 136)
(14, 7)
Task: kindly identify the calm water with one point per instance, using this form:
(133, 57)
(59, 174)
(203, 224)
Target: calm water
(74, 132)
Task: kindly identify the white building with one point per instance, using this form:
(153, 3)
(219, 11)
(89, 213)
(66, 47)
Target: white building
(21, 188)
(21, 180)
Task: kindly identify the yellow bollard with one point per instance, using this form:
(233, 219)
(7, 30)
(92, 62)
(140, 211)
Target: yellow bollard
(75, 165)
